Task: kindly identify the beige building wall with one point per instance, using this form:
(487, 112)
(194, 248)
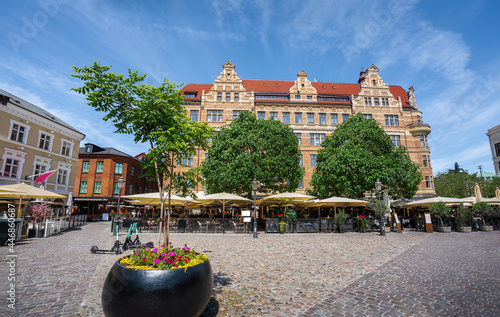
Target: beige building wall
(321, 107)
(494, 137)
(33, 141)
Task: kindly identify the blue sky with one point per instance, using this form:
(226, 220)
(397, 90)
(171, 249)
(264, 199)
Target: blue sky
(447, 50)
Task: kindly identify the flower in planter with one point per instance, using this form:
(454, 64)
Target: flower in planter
(362, 223)
(282, 225)
(164, 258)
(182, 215)
(306, 216)
(38, 212)
(281, 216)
(210, 216)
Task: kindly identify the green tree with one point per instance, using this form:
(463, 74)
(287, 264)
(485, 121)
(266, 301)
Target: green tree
(249, 148)
(151, 114)
(455, 184)
(355, 155)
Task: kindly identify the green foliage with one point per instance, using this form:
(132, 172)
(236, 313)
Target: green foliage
(461, 184)
(439, 210)
(151, 114)
(463, 215)
(291, 215)
(355, 155)
(379, 205)
(249, 148)
(482, 209)
(341, 217)
(455, 184)
(282, 225)
(363, 223)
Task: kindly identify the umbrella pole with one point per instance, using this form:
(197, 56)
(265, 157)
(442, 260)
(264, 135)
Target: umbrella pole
(223, 209)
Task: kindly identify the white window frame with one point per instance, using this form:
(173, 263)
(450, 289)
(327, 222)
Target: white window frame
(42, 161)
(14, 155)
(51, 142)
(61, 168)
(26, 130)
(71, 144)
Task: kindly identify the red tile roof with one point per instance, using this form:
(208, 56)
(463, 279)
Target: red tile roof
(282, 86)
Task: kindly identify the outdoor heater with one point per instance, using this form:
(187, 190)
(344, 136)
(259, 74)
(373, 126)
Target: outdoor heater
(255, 185)
(378, 187)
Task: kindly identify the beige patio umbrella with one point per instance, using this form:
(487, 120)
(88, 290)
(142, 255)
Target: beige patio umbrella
(477, 193)
(428, 201)
(285, 199)
(24, 191)
(221, 198)
(154, 198)
(497, 193)
(336, 202)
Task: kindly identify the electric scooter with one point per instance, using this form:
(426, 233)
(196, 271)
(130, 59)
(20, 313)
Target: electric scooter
(116, 249)
(129, 244)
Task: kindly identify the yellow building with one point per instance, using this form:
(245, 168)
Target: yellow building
(313, 110)
(33, 141)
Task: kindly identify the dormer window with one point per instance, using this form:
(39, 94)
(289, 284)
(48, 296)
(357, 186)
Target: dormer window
(88, 149)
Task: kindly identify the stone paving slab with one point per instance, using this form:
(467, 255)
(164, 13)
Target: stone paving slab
(278, 275)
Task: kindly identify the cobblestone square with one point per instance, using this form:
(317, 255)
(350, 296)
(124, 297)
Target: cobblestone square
(351, 274)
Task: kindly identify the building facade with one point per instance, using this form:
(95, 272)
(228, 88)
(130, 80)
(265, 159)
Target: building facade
(33, 141)
(313, 110)
(96, 183)
(494, 136)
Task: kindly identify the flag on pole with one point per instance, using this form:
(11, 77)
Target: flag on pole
(43, 177)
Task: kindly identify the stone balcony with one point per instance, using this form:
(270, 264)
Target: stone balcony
(419, 129)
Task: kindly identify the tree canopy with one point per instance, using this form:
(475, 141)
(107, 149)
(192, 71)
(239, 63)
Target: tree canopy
(151, 114)
(355, 155)
(460, 184)
(249, 148)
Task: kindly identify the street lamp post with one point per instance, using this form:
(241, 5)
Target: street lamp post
(378, 187)
(120, 184)
(255, 184)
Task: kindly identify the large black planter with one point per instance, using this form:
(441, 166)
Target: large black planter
(128, 292)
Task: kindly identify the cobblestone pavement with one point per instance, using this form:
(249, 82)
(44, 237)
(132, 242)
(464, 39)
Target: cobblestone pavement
(350, 274)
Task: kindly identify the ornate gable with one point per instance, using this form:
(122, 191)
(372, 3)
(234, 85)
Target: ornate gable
(302, 89)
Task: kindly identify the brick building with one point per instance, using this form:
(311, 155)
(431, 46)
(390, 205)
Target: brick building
(313, 110)
(97, 177)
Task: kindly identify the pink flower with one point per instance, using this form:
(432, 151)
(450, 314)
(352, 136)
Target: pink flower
(155, 250)
(185, 249)
(156, 261)
(144, 259)
(163, 254)
(171, 253)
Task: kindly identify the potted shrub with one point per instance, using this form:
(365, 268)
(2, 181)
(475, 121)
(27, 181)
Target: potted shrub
(162, 281)
(440, 211)
(362, 223)
(463, 219)
(282, 225)
(306, 216)
(340, 220)
(291, 217)
(484, 211)
(38, 213)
